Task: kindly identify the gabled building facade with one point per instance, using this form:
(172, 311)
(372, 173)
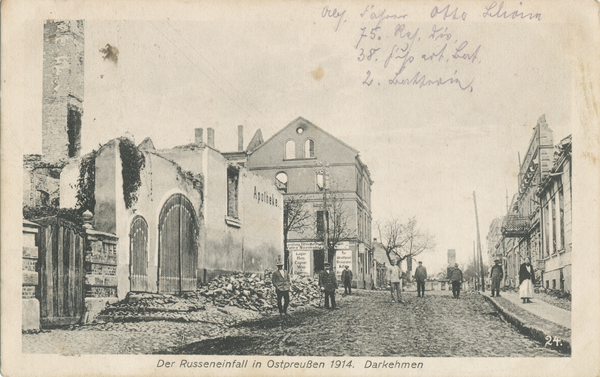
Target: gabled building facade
(328, 176)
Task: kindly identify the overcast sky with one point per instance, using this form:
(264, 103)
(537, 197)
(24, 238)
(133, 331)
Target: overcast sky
(427, 147)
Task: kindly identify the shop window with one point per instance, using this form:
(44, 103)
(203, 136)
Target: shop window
(232, 192)
(309, 149)
(290, 150)
(281, 181)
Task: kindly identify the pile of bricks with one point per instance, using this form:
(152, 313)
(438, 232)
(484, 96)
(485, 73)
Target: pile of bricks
(225, 296)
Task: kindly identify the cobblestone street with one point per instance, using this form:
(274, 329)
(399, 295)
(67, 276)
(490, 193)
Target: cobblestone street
(370, 324)
(367, 323)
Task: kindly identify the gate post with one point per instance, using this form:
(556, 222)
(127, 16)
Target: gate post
(100, 265)
(30, 303)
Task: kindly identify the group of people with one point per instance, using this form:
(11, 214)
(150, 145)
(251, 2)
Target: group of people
(526, 276)
(395, 276)
(329, 284)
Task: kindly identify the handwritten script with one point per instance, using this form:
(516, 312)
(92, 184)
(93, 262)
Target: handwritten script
(393, 51)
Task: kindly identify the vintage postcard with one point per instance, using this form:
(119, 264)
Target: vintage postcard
(300, 188)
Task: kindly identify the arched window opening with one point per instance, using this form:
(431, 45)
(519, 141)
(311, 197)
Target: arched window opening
(309, 148)
(138, 260)
(281, 181)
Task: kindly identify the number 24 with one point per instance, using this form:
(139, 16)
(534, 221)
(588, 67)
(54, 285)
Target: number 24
(552, 339)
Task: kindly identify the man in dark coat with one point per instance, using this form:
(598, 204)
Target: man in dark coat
(456, 277)
(420, 277)
(497, 274)
(347, 280)
(281, 282)
(328, 283)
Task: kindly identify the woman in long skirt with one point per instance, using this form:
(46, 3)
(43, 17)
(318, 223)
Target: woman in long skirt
(526, 281)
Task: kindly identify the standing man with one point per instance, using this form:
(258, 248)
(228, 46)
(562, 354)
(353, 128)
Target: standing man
(456, 278)
(395, 278)
(497, 274)
(328, 283)
(281, 282)
(421, 276)
(347, 280)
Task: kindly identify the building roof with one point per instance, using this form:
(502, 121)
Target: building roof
(562, 153)
(293, 124)
(257, 141)
(147, 145)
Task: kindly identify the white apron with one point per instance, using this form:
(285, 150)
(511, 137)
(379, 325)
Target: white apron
(526, 288)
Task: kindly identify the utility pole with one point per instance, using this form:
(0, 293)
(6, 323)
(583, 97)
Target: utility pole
(541, 254)
(475, 264)
(479, 245)
(323, 172)
(326, 215)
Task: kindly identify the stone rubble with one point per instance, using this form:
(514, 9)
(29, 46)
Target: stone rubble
(225, 300)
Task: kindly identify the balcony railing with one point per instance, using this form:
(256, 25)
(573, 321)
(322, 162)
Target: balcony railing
(515, 226)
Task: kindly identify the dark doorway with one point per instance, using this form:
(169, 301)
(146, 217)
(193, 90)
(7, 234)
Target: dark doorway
(318, 260)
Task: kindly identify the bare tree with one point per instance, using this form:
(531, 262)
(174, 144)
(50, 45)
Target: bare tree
(295, 219)
(404, 241)
(336, 227)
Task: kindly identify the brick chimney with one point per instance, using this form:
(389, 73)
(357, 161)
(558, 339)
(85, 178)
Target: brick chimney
(240, 138)
(199, 136)
(210, 137)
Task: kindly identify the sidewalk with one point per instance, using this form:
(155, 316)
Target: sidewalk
(539, 320)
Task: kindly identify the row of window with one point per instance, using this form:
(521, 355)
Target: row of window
(281, 181)
(554, 219)
(290, 149)
(364, 226)
(363, 187)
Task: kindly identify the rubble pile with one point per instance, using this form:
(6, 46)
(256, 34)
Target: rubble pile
(258, 294)
(225, 300)
(148, 303)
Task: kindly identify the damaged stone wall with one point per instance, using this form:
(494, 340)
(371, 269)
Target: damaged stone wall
(41, 181)
(62, 96)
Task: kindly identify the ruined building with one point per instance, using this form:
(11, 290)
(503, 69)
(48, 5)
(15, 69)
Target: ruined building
(62, 109)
